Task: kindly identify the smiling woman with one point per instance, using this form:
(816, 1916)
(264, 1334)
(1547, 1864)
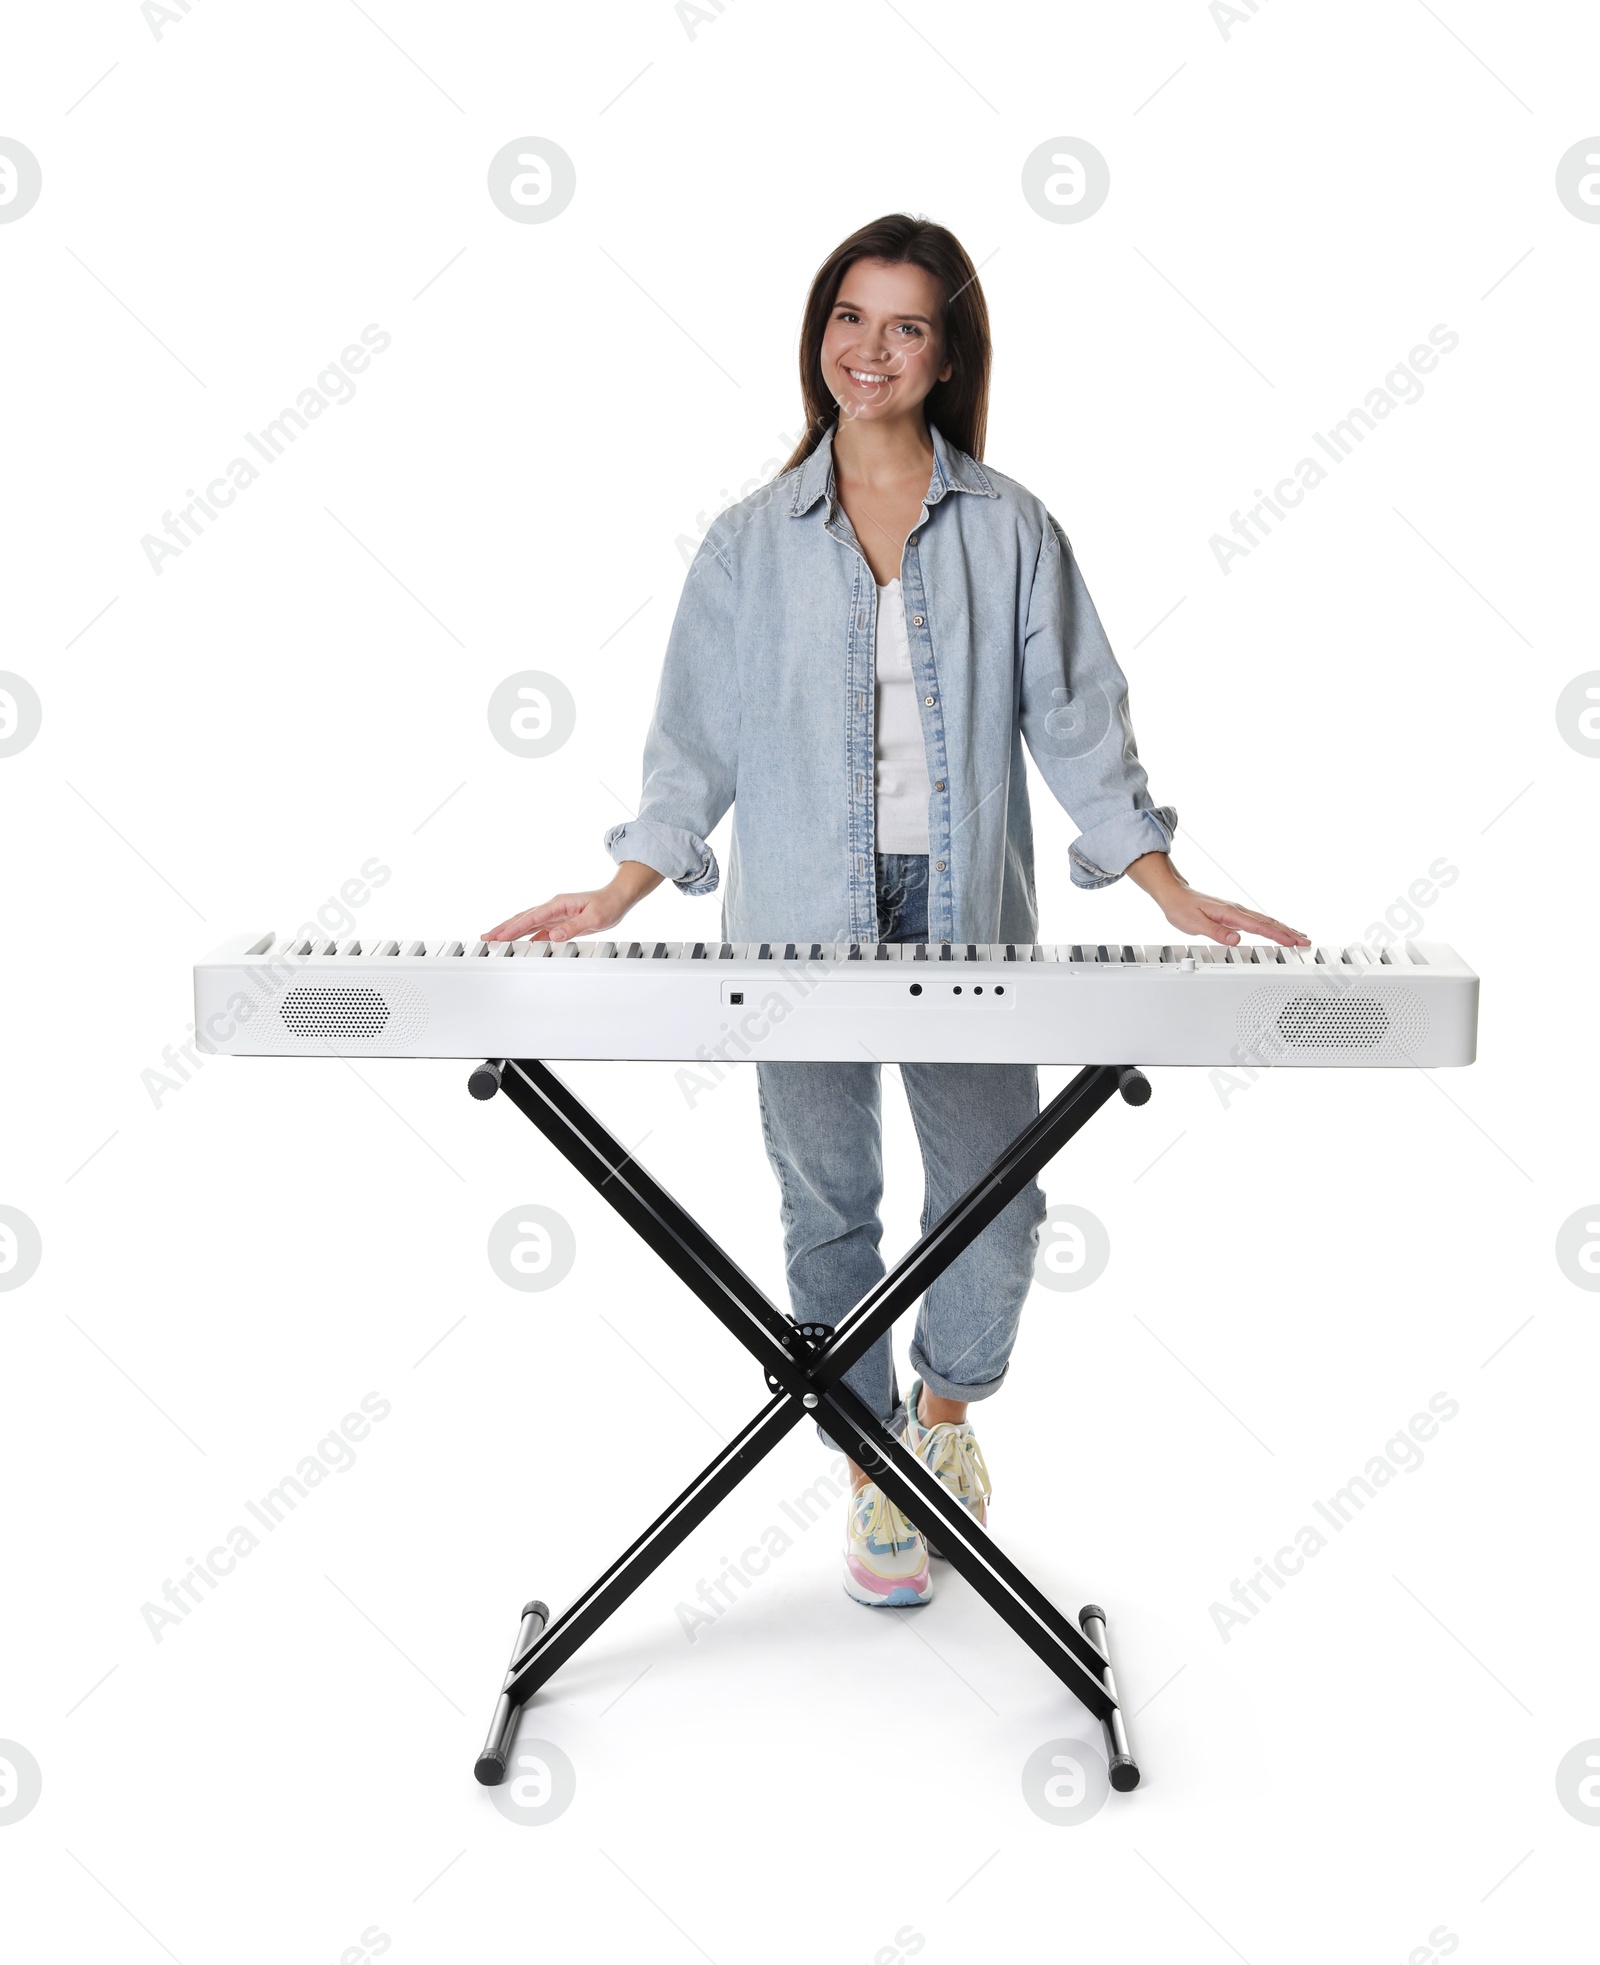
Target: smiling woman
(860, 654)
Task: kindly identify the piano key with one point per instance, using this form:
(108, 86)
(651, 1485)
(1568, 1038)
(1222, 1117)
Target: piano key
(450, 949)
(350, 947)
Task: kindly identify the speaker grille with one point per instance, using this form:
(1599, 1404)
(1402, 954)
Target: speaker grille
(335, 1012)
(1333, 1021)
(346, 1019)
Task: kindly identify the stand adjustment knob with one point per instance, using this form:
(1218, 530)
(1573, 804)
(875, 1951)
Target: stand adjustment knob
(485, 1080)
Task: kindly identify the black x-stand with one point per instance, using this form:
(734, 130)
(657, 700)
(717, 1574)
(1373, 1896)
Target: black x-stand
(805, 1365)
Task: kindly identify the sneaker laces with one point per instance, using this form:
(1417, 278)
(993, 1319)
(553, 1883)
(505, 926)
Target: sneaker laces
(952, 1453)
(881, 1520)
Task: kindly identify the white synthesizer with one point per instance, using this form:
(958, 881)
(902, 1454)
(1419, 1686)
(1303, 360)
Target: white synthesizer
(977, 1003)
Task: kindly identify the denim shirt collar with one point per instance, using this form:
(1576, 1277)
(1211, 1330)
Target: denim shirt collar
(953, 470)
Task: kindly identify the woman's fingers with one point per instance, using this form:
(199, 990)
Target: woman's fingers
(588, 919)
(531, 918)
(1224, 918)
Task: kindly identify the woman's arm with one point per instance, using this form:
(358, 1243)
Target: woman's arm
(1074, 714)
(1193, 913)
(691, 760)
(566, 915)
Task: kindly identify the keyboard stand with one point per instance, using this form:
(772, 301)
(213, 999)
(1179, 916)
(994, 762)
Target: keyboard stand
(804, 1365)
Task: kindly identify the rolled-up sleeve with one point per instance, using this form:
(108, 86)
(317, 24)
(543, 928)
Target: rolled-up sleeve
(691, 752)
(1074, 715)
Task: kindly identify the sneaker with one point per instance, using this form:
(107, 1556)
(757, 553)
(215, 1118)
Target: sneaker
(951, 1452)
(885, 1559)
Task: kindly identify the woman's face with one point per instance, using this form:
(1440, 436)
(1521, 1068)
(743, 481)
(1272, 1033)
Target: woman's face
(883, 350)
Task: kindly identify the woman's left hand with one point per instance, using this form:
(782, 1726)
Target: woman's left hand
(1194, 913)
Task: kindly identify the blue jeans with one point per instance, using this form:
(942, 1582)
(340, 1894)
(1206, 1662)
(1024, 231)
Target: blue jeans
(822, 1124)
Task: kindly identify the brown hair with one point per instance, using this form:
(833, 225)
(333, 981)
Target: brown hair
(960, 407)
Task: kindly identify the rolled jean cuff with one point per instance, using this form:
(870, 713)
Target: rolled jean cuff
(950, 1388)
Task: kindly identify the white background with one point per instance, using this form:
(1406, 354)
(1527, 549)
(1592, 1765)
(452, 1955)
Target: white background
(231, 1263)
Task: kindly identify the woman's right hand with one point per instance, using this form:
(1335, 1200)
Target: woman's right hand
(566, 915)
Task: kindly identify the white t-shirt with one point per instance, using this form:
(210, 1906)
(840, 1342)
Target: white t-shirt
(900, 773)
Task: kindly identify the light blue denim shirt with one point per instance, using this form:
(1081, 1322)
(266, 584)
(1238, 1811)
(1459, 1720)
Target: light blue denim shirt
(766, 704)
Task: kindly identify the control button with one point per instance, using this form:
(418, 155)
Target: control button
(1187, 965)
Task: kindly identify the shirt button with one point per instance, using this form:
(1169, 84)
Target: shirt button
(929, 701)
(916, 620)
(939, 784)
(938, 866)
